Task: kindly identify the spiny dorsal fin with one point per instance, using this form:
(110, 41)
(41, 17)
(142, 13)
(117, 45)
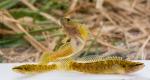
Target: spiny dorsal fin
(65, 60)
(95, 58)
(113, 58)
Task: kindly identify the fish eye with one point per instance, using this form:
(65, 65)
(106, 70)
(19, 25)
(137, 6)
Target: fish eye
(68, 19)
(123, 66)
(68, 40)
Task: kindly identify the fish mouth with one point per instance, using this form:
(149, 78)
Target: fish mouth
(19, 70)
(139, 64)
(16, 69)
(64, 20)
(136, 67)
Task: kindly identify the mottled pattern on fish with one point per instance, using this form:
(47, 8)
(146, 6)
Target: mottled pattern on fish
(107, 67)
(34, 68)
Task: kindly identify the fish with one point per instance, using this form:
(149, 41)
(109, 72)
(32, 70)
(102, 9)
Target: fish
(77, 34)
(108, 65)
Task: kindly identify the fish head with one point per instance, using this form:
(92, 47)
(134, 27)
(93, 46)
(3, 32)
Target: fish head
(70, 26)
(65, 20)
(22, 69)
(133, 67)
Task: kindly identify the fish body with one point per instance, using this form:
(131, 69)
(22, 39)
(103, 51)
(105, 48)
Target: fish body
(108, 66)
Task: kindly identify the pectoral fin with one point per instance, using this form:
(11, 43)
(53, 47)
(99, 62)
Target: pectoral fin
(45, 58)
(84, 32)
(117, 69)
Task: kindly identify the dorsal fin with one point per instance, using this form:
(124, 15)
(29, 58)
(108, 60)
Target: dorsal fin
(113, 58)
(95, 58)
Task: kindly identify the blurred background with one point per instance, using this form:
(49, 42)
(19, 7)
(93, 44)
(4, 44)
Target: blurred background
(29, 27)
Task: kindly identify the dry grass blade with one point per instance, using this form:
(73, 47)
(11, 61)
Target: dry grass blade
(141, 50)
(5, 32)
(73, 5)
(148, 4)
(134, 3)
(99, 4)
(6, 57)
(71, 8)
(104, 13)
(33, 41)
(111, 46)
(47, 16)
(14, 25)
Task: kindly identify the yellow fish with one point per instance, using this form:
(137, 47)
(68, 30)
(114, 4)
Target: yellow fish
(110, 65)
(76, 33)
